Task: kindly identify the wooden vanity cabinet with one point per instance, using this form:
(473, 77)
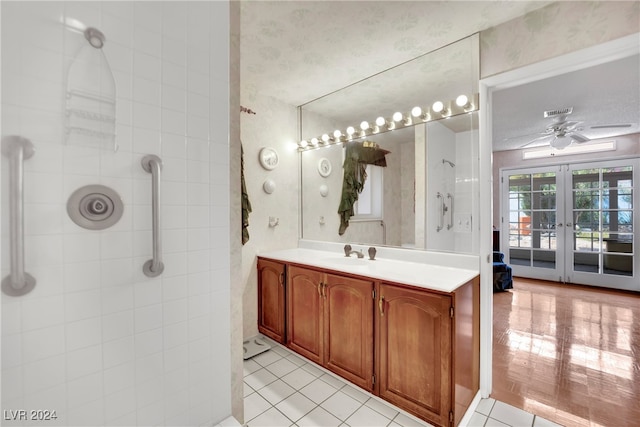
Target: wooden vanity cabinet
(330, 321)
(414, 347)
(271, 299)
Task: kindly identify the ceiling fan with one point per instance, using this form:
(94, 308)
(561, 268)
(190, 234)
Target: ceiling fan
(561, 133)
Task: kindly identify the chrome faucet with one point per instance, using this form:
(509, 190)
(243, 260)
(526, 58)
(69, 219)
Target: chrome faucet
(348, 251)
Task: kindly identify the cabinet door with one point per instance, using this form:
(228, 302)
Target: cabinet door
(415, 351)
(271, 299)
(348, 329)
(304, 313)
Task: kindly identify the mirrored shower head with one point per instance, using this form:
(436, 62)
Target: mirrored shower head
(95, 37)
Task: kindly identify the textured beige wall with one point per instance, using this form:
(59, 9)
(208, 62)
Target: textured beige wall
(554, 30)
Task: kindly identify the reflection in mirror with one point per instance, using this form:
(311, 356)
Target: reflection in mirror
(404, 210)
(427, 195)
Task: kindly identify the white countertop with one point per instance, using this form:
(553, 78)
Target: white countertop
(423, 275)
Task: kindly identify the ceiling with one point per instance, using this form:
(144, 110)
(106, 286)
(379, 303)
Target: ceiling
(299, 51)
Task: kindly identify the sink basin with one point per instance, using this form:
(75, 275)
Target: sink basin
(352, 260)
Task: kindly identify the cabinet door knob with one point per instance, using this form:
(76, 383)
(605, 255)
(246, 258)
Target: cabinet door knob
(282, 279)
(320, 289)
(381, 306)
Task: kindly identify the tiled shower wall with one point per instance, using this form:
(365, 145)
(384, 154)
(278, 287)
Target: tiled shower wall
(97, 341)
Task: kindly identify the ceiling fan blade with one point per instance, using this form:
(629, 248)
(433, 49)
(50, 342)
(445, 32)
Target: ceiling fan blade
(579, 138)
(621, 125)
(539, 139)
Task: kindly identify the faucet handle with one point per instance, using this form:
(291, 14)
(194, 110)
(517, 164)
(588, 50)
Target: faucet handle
(347, 250)
(372, 253)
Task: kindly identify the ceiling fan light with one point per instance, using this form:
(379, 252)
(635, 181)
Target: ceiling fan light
(561, 142)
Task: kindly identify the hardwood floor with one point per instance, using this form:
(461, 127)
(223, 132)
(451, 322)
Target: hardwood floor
(568, 353)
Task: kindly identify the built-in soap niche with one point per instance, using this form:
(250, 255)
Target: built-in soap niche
(90, 104)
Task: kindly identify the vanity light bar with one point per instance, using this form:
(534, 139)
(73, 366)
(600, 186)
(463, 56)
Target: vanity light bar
(438, 110)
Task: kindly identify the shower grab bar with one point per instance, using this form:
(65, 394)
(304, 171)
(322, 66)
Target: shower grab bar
(153, 164)
(450, 225)
(443, 210)
(18, 149)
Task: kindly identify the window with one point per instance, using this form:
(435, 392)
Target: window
(369, 204)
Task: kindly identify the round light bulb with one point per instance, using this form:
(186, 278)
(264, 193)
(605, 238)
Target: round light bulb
(380, 121)
(314, 141)
(416, 111)
(350, 130)
(337, 134)
(561, 142)
(397, 116)
(462, 100)
(325, 138)
(364, 125)
(438, 106)
(303, 143)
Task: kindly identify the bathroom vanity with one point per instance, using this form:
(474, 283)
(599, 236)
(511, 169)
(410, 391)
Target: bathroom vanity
(404, 331)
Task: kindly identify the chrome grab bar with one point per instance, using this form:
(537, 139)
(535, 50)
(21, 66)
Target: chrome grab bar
(450, 225)
(443, 210)
(153, 164)
(18, 149)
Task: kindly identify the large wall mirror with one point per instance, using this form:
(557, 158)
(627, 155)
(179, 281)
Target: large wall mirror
(426, 197)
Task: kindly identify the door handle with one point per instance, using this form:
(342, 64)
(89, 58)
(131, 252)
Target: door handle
(381, 305)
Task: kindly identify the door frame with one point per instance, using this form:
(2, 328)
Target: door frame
(591, 56)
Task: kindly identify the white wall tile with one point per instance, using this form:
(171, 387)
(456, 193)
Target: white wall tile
(84, 389)
(116, 272)
(81, 276)
(119, 404)
(118, 351)
(174, 146)
(199, 283)
(174, 288)
(52, 399)
(151, 415)
(12, 316)
(177, 359)
(83, 333)
(84, 362)
(197, 82)
(82, 305)
(117, 325)
(149, 342)
(173, 193)
(174, 50)
(146, 91)
(174, 404)
(197, 193)
(81, 247)
(197, 149)
(120, 57)
(119, 378)
(147, 116)
(174, 19)
(12, 385)
(199, 328)
(175, 334)
(148, 15)
(173, 122)
(116, 298)
(87, 414)
(174, 75)
(146, 141)
(43, 218)
(43, 374)
(146, 66)
(150, 391)
(175, 311)
(198, 261)
(119, 28)
(147, 41)
(198, 240)
(148, 367)
(12, 350)
(42, 187)
(174, 169)
(42, 312)
(148, 318)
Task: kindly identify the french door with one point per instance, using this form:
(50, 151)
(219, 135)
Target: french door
(573, 223)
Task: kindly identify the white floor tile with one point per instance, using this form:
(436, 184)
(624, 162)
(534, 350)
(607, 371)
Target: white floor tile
(511, 415)
(407, 421)
(297, 360)
(259, 379)
(298, 378)
(295, 406)
(355, 393)
(282, 367)
(485, 406)
(247, 390)
(341, 405)
(313, 370)
(276, 392)
(249, 367)
(495, 423)
(281, 350)
(318, 418)
(254, 405)
(318, 391)
(477, 420)
(367, 417)
(542, 422)
(267, 358)
(394, 424)
(270, 418)
(382, 408)
(331, 380)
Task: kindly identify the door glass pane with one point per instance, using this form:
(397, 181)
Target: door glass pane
(520, 257)
(586, 262)
(586, 241)
(544, 259)
(621, 265)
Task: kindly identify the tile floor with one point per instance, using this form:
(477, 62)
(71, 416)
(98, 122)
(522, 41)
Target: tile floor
(282, 389)
(568, 353)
